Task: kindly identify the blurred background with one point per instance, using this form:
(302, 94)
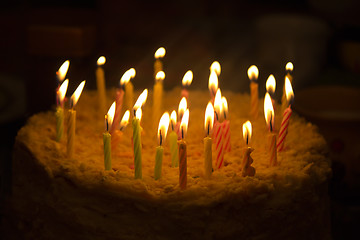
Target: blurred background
(321, 38)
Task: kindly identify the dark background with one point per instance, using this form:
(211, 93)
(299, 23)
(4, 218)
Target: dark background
(321, 38)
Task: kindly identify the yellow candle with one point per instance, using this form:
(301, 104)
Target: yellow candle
(173, 137)
(100, 83)
(109, 120)
(253, 74)
(162, 130)
(71, 132)
(182, 152)
(246, 168)
(129, 87)
(269, 117)
(158, 66)
(209, 121)
(72, 119)
(157, 96)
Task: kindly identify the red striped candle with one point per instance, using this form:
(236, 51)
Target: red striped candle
(284, 129)
(226, 125)
(219, 142)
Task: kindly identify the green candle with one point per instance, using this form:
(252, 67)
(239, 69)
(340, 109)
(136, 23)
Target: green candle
(107, 150)
(59, 123)
(158, 162)
(60, 96)
(174, 149)
(137, 146)
(162, 130)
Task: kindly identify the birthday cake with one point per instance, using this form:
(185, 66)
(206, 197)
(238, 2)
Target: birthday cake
(56, 197)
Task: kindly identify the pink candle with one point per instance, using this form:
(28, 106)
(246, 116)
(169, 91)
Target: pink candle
(218, 130)
(286, 116)
(226, 126)
(269, 117)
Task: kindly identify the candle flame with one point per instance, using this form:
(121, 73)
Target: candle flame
(76, 95)
(269, 111)
(271, 84)
(141, 100)
(138, 114)
(213, 82)
(160, 76)
(184, 124)
(61, 73)
(289, 67)
(288, 90)
(160, 53)
(173, 118)
(129, 74)
(187, 79)
(182, 107)
(62, 90)
(218, 106)
(215, 67)
(253, 73)
(101, 61)
(163, 127)
(109, 118)
(247, 132)
(225, 107)
(125, 120)
(209, 118)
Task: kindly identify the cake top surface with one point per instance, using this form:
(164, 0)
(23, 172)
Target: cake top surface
(303, 162)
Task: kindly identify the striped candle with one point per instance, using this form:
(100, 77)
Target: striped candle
(286, 116)
(284, 128)
(269, 118)
(118, 107)
(226, 125)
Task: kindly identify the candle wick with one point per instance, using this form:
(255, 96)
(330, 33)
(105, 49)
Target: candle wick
(271, 127)
(160, 137)
(208, 129)
(182, 133)
(224, 115)
(107, 122)
(217, 116)
(247, 139)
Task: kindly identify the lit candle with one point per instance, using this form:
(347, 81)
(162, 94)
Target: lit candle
(270, 87)
(269, 118)
(181, 110)
(72, 119)
(107, 136)
(129, 89)
(60, 110)
(246, 168)
(119, 98)
(162, 130)
(100, 83)
(218, 130)
(118, 133)
(173, 137)
(213, 84)
(209, 122)
(186, 82)
(289, 68)
(137, 133)
(215, 66)
(253, 74)
(157, 96)
(182, 151)
(61, 73)
(226, 125)
(286, 116)
(158, 66)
